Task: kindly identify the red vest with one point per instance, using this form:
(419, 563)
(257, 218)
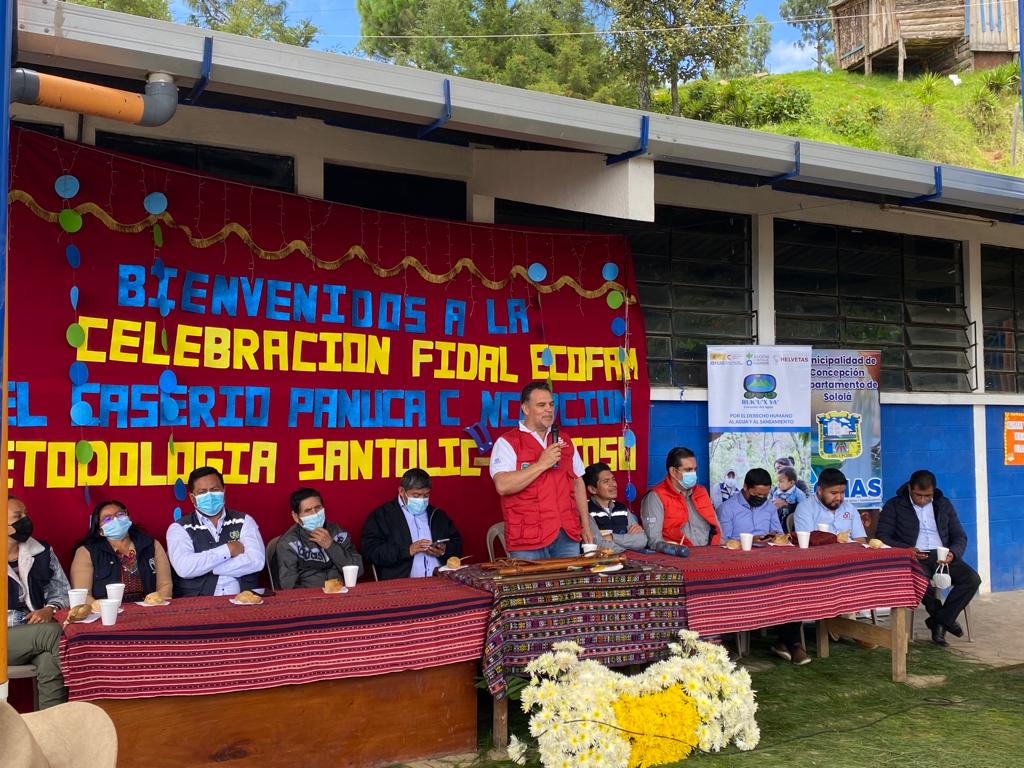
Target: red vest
(677, 513)
(534, 515)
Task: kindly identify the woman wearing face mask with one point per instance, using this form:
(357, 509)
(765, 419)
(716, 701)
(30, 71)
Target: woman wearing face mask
(36, 588)
(117, 551)
(678, 510)
(313, 550)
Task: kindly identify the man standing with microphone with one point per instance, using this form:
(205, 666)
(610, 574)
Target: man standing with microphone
(539, 476)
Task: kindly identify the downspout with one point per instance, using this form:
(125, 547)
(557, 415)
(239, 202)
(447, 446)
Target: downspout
(156, 107)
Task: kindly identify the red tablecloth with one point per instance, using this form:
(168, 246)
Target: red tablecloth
(206, 645)
(732, 591)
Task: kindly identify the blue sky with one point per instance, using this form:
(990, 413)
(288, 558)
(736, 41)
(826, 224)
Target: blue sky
(338, 21)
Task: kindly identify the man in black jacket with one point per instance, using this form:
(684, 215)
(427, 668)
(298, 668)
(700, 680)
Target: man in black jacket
(920, 517)
(408, 536)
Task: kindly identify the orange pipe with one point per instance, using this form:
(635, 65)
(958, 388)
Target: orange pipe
(90, 99)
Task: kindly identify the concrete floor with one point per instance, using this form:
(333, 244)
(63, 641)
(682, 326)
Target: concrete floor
(997, 628)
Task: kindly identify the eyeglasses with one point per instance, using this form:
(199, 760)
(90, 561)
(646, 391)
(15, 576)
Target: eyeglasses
(120, 515)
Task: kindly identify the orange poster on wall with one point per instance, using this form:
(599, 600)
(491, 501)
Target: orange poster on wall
(1013, 438)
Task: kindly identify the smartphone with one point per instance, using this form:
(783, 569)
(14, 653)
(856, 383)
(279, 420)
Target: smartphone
(439, 542)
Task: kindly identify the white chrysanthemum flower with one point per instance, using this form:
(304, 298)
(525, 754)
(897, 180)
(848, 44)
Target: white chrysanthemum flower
(517, 751)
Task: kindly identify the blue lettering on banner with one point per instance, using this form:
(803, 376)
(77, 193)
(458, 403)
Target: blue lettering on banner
(18, 410)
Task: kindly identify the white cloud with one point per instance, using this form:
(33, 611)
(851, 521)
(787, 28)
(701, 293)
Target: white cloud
(789, 57)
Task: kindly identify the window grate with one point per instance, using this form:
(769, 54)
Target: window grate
(1002, 288)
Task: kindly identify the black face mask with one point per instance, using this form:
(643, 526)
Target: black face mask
(756, 501)
(22, 530)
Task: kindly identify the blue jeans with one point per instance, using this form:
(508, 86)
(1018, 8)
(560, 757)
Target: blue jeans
(562, 546)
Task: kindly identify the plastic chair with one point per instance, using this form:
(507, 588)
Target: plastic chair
(24, 672)
(272, 563)
(373, 569)
(496, 531)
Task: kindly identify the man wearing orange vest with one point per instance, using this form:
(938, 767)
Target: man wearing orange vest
(677, 510)
(539, 477)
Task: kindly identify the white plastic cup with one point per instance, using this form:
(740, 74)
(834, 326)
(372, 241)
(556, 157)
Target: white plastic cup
(108, 611)
(589, 549)
(941, 553)
(606, 532)
(78, 596)
(746, 541)
(351, 574)
(115, 592)
(803, 538)
(824, 527)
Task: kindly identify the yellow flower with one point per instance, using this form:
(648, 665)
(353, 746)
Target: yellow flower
(661, 726)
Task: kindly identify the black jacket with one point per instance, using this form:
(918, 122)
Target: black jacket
(386, 539)
(898, 525)
(106, 568)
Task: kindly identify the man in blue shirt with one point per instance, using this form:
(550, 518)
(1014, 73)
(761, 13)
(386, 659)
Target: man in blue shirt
(750, 511)
(828, 506)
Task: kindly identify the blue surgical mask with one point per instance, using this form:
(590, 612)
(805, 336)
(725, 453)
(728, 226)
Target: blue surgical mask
(210, 503)
(689, 479)
(117, 528)
(314, 521)
(417, 506)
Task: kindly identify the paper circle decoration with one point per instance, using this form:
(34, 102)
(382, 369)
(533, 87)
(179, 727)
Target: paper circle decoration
(547, 357)
(170, 410)
(78, 373)
(615, 299)
(155, 203)
(74, 296)
(177, 513)
(81, 414)
(70, 220)
(66, 186)
(629, 438)
(84, 451)
(75, 335)
(537, 272)
(610, 271)
(180, 489)
(168, 381)
(74, 257)
(630, 492)
(618, 326)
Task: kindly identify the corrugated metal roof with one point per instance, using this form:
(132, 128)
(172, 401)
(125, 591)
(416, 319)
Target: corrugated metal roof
(65, 35)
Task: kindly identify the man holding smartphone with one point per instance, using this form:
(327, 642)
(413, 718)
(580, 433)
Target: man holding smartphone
(408, 536)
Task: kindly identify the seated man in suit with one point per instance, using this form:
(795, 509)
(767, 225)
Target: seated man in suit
(408, 536)
(920, 517)
(313, 550)
(611, 522)
(215, 550)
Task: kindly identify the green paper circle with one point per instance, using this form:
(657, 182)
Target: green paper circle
(83, 451)
(615, 299)
(70, 220)
(75, 335)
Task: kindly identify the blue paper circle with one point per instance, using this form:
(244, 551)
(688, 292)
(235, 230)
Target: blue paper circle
(629, 438)
(622, 354)
(78, 373)
(88, 496)
(537, 272)
(74, 296)
(630, 492)
(177, 513)
(66, 186)
(81, 414)
(618, 326)
(610, 271)
(158, 268)
(73, 256)
(180, 489)
(168, 381)
(155, 203)
(169, 409)
(164, 305)
(547, 357)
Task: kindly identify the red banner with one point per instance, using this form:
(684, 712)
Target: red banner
(163, 320)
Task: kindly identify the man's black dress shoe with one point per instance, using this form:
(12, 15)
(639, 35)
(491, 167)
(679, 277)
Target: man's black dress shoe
(938, 631)
(955, 629)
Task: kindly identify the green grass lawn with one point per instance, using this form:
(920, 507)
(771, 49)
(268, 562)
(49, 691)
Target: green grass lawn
(844, 712)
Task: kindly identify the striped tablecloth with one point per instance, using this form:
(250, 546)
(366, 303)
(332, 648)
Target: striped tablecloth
(733, 591)
(622, 618)
(205, 645)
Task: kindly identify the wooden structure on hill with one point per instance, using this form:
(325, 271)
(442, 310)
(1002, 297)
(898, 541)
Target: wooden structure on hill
(924, 35)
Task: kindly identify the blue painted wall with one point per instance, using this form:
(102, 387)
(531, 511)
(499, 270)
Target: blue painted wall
(1005, 507)
(935, 437)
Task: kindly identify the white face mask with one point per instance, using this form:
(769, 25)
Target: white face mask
(941, 577)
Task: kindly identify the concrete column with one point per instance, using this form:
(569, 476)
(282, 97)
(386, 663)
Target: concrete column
(762, 242)
(981, 498)
(972, 299)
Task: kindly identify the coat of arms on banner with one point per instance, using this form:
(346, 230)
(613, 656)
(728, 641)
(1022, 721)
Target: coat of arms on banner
(839, 435)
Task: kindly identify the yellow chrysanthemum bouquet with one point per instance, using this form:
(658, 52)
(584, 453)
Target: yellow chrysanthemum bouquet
(584, 714)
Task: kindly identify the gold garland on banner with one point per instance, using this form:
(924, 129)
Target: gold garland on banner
(355, 252)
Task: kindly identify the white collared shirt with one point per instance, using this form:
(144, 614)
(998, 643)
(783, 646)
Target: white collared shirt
(190, 564)
(503, 455)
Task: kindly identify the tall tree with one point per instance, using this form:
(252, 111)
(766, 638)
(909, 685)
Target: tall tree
(252, 18)
(759, 43)
(380, 18)
(152, 9)
(812, 18)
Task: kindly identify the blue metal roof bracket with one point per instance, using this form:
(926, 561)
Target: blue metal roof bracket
(932, 196)
(645, 134)
(773, 180)
(443, 118)
(204, 74)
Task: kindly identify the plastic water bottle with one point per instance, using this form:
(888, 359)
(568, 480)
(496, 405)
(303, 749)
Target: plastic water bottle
(676, 550)
(15, 618)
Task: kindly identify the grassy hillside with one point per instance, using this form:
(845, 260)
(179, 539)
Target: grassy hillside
(926, 117)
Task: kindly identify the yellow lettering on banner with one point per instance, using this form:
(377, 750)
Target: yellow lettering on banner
(330, 363)
(146, 476)
(378, 355)
(234, 475)
(181, 462)
(611, 363)
(582, 363)
(244, 349)
(275, 347)
(466, 468)
(446, 348)
(264, 460)
(336, 461)
(186, 352)
(124, 464)
(29, 450)
(311, 463)
(60, 465)
(420, 355)
(217, 348)
(83, 353)
(385, 446)
(361, 460)
(610, 450)
(298, 364)
(149, 341)
(406, 456)
(506, 376)
(123, 337)
(467, 361)
(450, 445)
(203, 457)
(94, 474)
(471, 362)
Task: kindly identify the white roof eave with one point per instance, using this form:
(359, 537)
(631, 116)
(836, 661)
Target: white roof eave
(71, 36)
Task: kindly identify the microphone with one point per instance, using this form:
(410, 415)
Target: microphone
(554, 439)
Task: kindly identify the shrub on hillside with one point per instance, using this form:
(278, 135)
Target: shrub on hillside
(855, 122)
(702, 101)
(984, 110)
(926, 88)
(1003, 80)
(776, 102)
(908, 131)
